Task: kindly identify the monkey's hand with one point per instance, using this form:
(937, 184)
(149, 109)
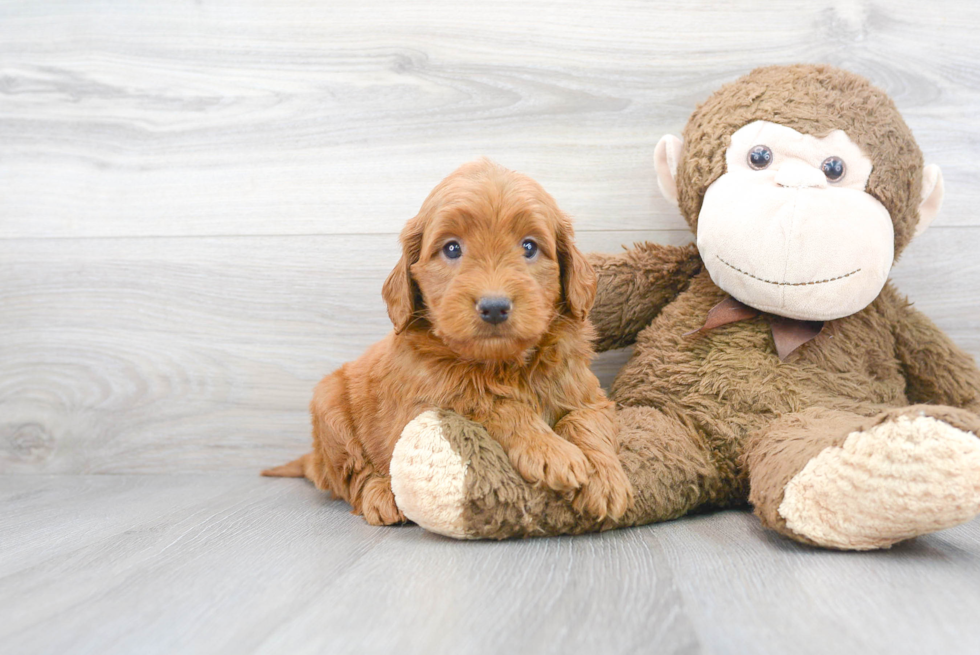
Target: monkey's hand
(633, 286)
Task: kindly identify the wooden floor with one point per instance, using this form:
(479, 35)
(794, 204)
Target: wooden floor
(240, 564)
(199, 202)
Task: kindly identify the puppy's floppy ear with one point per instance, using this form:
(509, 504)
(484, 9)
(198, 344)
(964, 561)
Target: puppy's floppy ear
(578, 279)
(400, 293)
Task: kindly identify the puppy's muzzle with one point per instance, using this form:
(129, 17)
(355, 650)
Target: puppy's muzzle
(494, 309)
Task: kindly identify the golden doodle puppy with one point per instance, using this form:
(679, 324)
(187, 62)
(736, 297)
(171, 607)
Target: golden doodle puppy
(489, 303)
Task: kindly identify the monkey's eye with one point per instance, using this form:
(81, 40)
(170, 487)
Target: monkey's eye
(530, 248)
(760, 157)
(452, 250)
(833, 168)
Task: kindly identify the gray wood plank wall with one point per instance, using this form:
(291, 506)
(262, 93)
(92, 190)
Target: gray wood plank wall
(199, 200)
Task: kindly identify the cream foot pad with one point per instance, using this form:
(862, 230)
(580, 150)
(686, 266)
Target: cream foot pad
(429, 477)
(892, 482)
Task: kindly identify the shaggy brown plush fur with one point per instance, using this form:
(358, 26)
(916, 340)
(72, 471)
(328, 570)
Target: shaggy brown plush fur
(717, 419)
(526, 379)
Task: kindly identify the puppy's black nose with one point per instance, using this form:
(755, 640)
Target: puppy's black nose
(494, 309)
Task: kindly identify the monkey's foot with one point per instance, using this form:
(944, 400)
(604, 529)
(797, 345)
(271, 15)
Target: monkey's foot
(451, 477)
(428, 477)
(897, 480)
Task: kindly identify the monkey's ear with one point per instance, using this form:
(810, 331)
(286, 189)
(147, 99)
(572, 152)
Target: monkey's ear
(665, 160)
(399, 291)
(932, 197)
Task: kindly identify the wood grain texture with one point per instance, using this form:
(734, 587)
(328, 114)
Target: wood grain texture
(307, 117)
(749, 590)
(198, 201)
(231, 564)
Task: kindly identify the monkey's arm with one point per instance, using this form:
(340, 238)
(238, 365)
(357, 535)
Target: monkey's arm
(634, 286)
(936, 369)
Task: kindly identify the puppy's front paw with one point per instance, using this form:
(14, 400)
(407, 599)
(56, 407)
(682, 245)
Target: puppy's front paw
(551, 460)
(378, 503)
(607, 492)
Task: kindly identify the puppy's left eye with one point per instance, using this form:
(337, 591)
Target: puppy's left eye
(530, 248)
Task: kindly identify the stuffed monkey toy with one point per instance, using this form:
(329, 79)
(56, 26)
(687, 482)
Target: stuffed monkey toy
(774, 363)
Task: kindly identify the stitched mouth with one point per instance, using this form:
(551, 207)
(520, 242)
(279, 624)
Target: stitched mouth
(786, 284)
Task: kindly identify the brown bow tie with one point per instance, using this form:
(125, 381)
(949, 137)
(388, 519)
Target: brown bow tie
(787, 333)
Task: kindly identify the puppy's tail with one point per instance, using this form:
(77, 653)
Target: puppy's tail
(298, 468)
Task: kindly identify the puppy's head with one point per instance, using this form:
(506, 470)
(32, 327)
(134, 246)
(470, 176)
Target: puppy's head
(488, 264)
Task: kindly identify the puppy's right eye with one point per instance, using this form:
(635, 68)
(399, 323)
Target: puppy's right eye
(452, 250)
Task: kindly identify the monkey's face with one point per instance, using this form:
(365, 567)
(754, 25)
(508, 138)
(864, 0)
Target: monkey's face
(789, 228)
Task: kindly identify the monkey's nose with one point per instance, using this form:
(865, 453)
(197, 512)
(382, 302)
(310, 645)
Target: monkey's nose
(494, 309)
(799, 175)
